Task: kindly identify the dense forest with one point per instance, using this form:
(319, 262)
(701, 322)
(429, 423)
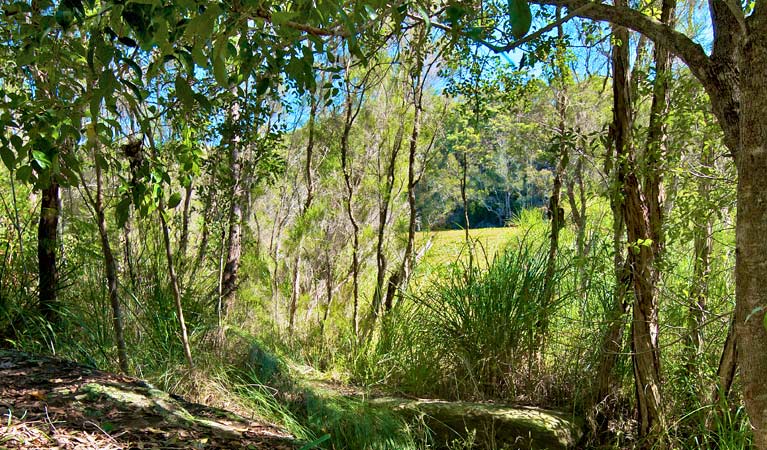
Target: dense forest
(314, 212)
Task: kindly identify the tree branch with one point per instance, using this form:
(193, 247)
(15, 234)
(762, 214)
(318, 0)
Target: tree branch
(679, 44)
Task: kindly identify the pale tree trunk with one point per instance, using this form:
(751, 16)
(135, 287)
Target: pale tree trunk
(234, 240)
(309, 180)
(578, 208)
(702, 245)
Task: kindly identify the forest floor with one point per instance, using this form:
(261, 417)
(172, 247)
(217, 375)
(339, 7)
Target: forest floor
(49, 403)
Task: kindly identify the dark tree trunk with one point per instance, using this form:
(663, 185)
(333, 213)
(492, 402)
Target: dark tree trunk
(751, 230)
(47, 246)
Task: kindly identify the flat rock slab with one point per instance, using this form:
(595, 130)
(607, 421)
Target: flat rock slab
(491, 425)
(49, 403)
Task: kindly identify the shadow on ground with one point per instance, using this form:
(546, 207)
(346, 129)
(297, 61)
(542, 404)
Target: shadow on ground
(51, 403)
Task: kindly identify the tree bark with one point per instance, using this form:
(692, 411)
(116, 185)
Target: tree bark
(702, 245)
(47, 246)
(176, 289)
(110, 266)
(234, 240)
(186, 214)
(350, 116)
(751, 229)
(556, 212)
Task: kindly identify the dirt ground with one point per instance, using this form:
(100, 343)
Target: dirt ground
(48, 403)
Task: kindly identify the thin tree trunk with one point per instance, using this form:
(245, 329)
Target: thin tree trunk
(579, 219)
(310, 154)
(296, 289)
(110, 267)
(350, 116)
(175, 286)
(379, 297)
(725, 372)
(128, 252)
(184, 240)
(47, 246)
(702, 247)
(555, 210)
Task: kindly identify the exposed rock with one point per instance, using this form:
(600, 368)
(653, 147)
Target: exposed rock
(491, 425)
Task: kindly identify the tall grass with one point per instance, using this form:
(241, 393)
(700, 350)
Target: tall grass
(474, 333)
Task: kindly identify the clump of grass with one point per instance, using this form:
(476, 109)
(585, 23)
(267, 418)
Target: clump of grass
(471, 334)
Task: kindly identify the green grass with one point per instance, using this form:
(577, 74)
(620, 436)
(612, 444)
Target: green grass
(449, 246)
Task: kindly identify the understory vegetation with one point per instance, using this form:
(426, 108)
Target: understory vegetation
(306, 212)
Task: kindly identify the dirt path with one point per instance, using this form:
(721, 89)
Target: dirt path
(48, 403)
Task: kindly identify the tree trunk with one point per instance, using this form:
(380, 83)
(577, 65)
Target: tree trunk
(751, 259)
(47, 245)
(380, 297)
(579, 219)
(556, 212)
(295, 291)
(175, 286)
(234, 241)
(110, 267)
(186, 214)
(702, 245)
(350, 116)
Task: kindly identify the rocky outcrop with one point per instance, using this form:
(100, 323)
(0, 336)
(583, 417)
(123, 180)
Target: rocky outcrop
(491, 425)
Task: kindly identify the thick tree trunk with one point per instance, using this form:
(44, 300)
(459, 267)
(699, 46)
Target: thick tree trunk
(751, 259)
(47, 246)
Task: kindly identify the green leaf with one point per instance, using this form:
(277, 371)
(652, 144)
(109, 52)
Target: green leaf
(41, 158)
(184, 92)
(24, 174)
(520, 18)
(174, 200)
(219, 71)
(7, 156)
(122, 210)
(281, 17)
